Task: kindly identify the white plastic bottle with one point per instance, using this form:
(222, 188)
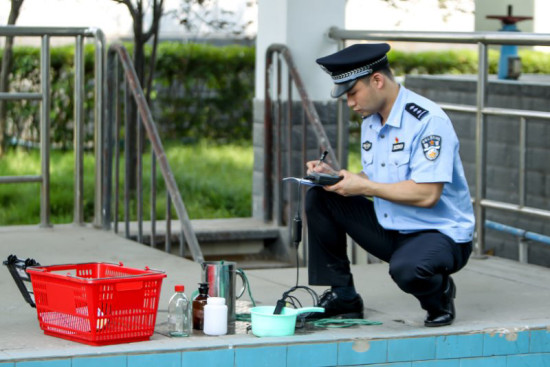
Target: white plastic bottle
(179, 313)
(215, 316)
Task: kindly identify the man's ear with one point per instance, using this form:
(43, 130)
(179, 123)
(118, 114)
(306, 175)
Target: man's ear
(378, 80)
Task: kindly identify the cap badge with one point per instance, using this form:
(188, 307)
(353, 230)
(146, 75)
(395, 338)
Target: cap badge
(432, 146)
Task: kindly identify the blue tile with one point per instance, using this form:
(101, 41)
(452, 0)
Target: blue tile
(459, 346)
(399, 364)
(207, 358)
(484, 362)
(363, 351)
(440, 363)
(260, 357)
(159, 359)
(312, 355)
(45, 363)
(529, 360)
(112, 361)
(411, 349)
(540, 341)
(503, 344)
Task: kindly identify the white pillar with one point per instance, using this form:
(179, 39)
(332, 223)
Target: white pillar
(303, 26)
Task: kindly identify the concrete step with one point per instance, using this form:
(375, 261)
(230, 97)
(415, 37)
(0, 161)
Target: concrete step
(253, 243)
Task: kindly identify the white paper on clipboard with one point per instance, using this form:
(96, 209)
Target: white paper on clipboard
(301, 181)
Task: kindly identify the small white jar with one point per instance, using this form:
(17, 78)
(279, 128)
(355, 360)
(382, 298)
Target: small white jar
(215, 316)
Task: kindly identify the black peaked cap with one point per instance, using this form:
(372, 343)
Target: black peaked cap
(352, 63)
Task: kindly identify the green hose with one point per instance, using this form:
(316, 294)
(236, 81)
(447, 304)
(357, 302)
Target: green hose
(341, 323)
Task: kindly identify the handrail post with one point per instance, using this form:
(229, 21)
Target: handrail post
(481, 147)
(99, 113)
(45, 132)
(78, 215)
(268, 139)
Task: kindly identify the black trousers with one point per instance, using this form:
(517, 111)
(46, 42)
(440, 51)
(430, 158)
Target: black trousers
(419, 263)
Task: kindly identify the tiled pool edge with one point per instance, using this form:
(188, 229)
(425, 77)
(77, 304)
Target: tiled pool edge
(496, 347)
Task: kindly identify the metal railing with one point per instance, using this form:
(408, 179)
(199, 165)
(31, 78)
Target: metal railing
(44, 125)
(482, 39)
(131, 88)
(274, 116)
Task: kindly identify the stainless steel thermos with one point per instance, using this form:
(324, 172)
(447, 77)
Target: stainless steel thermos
(220, 276)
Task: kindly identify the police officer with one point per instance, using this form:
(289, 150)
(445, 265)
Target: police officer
(410, 206)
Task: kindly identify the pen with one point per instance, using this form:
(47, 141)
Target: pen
(323, 156)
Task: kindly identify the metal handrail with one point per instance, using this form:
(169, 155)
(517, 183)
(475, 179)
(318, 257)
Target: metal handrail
(482, 39)
(273, 106)
(118, 52)
(46, 33)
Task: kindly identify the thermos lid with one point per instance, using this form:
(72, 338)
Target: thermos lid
(215, 301)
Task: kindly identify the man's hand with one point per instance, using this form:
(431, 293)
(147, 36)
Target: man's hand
(315, 166)
(351, 185)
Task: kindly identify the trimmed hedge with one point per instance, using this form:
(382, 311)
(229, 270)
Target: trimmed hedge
(200, 91)
(205, 91)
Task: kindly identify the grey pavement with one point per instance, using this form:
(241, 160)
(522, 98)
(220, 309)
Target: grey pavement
(494, 296)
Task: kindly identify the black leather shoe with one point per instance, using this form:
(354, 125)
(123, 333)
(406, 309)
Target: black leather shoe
(446, 315)
(337, 308)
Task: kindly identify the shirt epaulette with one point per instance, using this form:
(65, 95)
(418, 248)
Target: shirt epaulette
(416, 110)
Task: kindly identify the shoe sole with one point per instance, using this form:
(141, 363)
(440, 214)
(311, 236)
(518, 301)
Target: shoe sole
(438, 325)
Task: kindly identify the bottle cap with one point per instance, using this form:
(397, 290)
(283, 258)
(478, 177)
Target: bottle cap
(179, 288)
(203, 288)
(215, 301)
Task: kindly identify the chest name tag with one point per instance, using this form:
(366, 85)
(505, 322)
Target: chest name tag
(397, 147)
(432, 146)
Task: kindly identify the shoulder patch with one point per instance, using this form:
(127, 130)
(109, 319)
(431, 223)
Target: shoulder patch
(431, 145)
(416, 110)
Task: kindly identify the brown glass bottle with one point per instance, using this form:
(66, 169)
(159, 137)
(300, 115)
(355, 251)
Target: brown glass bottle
(198, 306)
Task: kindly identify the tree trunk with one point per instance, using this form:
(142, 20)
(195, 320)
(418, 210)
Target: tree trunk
(140, 39)
(5, 71)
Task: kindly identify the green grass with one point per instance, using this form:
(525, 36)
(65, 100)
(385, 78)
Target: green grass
(214, 181)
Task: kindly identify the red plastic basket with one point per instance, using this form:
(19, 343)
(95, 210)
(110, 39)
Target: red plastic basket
(96, 303)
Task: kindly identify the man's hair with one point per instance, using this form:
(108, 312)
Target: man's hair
(387, 72)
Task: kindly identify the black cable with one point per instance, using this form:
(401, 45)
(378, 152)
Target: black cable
(287, 297)
(297, 232)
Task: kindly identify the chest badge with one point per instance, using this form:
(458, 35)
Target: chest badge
(432, 146)
(367, 145)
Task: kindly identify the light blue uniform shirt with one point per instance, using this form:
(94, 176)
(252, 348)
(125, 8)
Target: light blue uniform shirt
(418, 143)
